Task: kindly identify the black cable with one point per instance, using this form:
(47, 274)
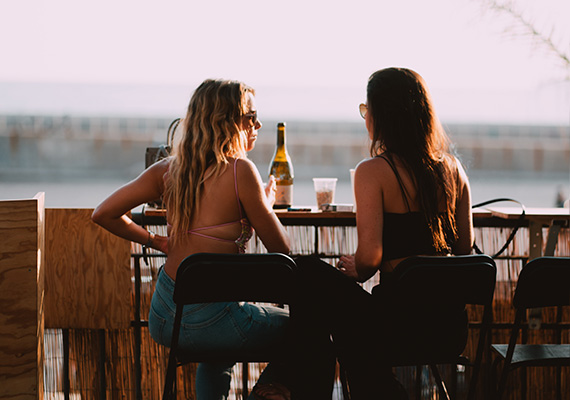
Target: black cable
(513, 232)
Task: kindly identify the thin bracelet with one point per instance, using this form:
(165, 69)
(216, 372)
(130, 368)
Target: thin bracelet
(150, 240)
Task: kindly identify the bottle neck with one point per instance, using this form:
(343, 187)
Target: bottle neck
(280, 138)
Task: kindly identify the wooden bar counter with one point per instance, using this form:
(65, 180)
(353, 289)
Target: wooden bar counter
(535, 219)
(120, 361)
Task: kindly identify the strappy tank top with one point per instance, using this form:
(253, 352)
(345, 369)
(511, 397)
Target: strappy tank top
(405, 234)
(246, 228)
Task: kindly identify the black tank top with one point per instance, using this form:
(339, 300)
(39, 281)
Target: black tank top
(406, 234)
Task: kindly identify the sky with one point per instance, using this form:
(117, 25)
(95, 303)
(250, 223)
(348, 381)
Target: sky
(307, 59)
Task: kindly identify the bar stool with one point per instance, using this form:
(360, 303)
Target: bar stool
(213, 277)
(427, 291)
(543, 282)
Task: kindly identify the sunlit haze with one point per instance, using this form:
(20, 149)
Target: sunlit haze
(307, 59)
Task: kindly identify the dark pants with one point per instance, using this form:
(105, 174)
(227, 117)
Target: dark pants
(333, 305)
(369, 332)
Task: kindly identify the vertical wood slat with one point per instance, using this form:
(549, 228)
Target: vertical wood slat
(22, 298)
(88, 277)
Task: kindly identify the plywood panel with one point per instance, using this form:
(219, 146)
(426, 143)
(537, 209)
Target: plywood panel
(21, 298)
(88, 278)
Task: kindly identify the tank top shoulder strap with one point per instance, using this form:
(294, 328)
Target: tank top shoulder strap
(402, 188)
(236, 187)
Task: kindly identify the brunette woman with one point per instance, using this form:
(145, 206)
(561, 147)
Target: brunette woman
(413, 198)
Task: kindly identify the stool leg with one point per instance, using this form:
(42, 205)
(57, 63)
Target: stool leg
(245, 380)
(440, 383)
(558, 383)
(524, 383)
(343, 382)
(419, 371)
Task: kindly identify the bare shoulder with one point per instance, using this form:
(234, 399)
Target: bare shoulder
(461, 174)
(372, 168)
(155, 173)
(365, 165)
(247, 170)
(461, 171)
(245, 165)
(250, 186)
(158, 169)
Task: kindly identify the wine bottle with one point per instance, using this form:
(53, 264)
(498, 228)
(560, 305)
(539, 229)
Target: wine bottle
(282, 169)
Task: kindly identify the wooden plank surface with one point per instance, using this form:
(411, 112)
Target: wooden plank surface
(88, 278)
(281, 214)
(533, 213)
(319, 218)
(21, 298)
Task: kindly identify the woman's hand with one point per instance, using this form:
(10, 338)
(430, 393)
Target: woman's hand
(271, 190)
(347, 266)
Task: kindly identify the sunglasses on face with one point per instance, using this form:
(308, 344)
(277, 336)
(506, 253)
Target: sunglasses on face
(363, 108)
(252, 117)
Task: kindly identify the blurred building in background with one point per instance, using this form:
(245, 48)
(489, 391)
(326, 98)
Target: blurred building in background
(37, 148)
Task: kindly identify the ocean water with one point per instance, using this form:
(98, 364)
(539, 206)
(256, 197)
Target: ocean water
(532, 191)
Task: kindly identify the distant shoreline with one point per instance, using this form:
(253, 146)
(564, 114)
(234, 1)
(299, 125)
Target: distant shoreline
(89, 193)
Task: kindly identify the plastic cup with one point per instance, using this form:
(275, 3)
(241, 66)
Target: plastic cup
(324, 189)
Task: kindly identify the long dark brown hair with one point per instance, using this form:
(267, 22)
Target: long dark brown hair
(405, 125)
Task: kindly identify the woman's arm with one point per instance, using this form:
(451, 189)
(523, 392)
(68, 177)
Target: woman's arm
(463, 215)
(111, 213)
(258, 208)
(369, 220)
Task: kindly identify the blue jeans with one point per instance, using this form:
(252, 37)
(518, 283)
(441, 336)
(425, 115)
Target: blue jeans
(217, 327)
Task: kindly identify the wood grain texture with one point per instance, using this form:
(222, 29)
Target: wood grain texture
(21, 298)
(88, 276)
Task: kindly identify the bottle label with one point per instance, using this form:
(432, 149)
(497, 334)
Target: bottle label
(284, 195)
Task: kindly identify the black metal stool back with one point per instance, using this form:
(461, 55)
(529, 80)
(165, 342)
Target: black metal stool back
(426, 295)
(213, 277)
(543, 282)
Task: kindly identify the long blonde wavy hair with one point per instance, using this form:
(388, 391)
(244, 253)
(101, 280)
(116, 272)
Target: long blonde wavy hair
(211, 133)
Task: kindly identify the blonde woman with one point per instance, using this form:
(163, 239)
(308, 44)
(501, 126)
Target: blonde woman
(214, 198)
